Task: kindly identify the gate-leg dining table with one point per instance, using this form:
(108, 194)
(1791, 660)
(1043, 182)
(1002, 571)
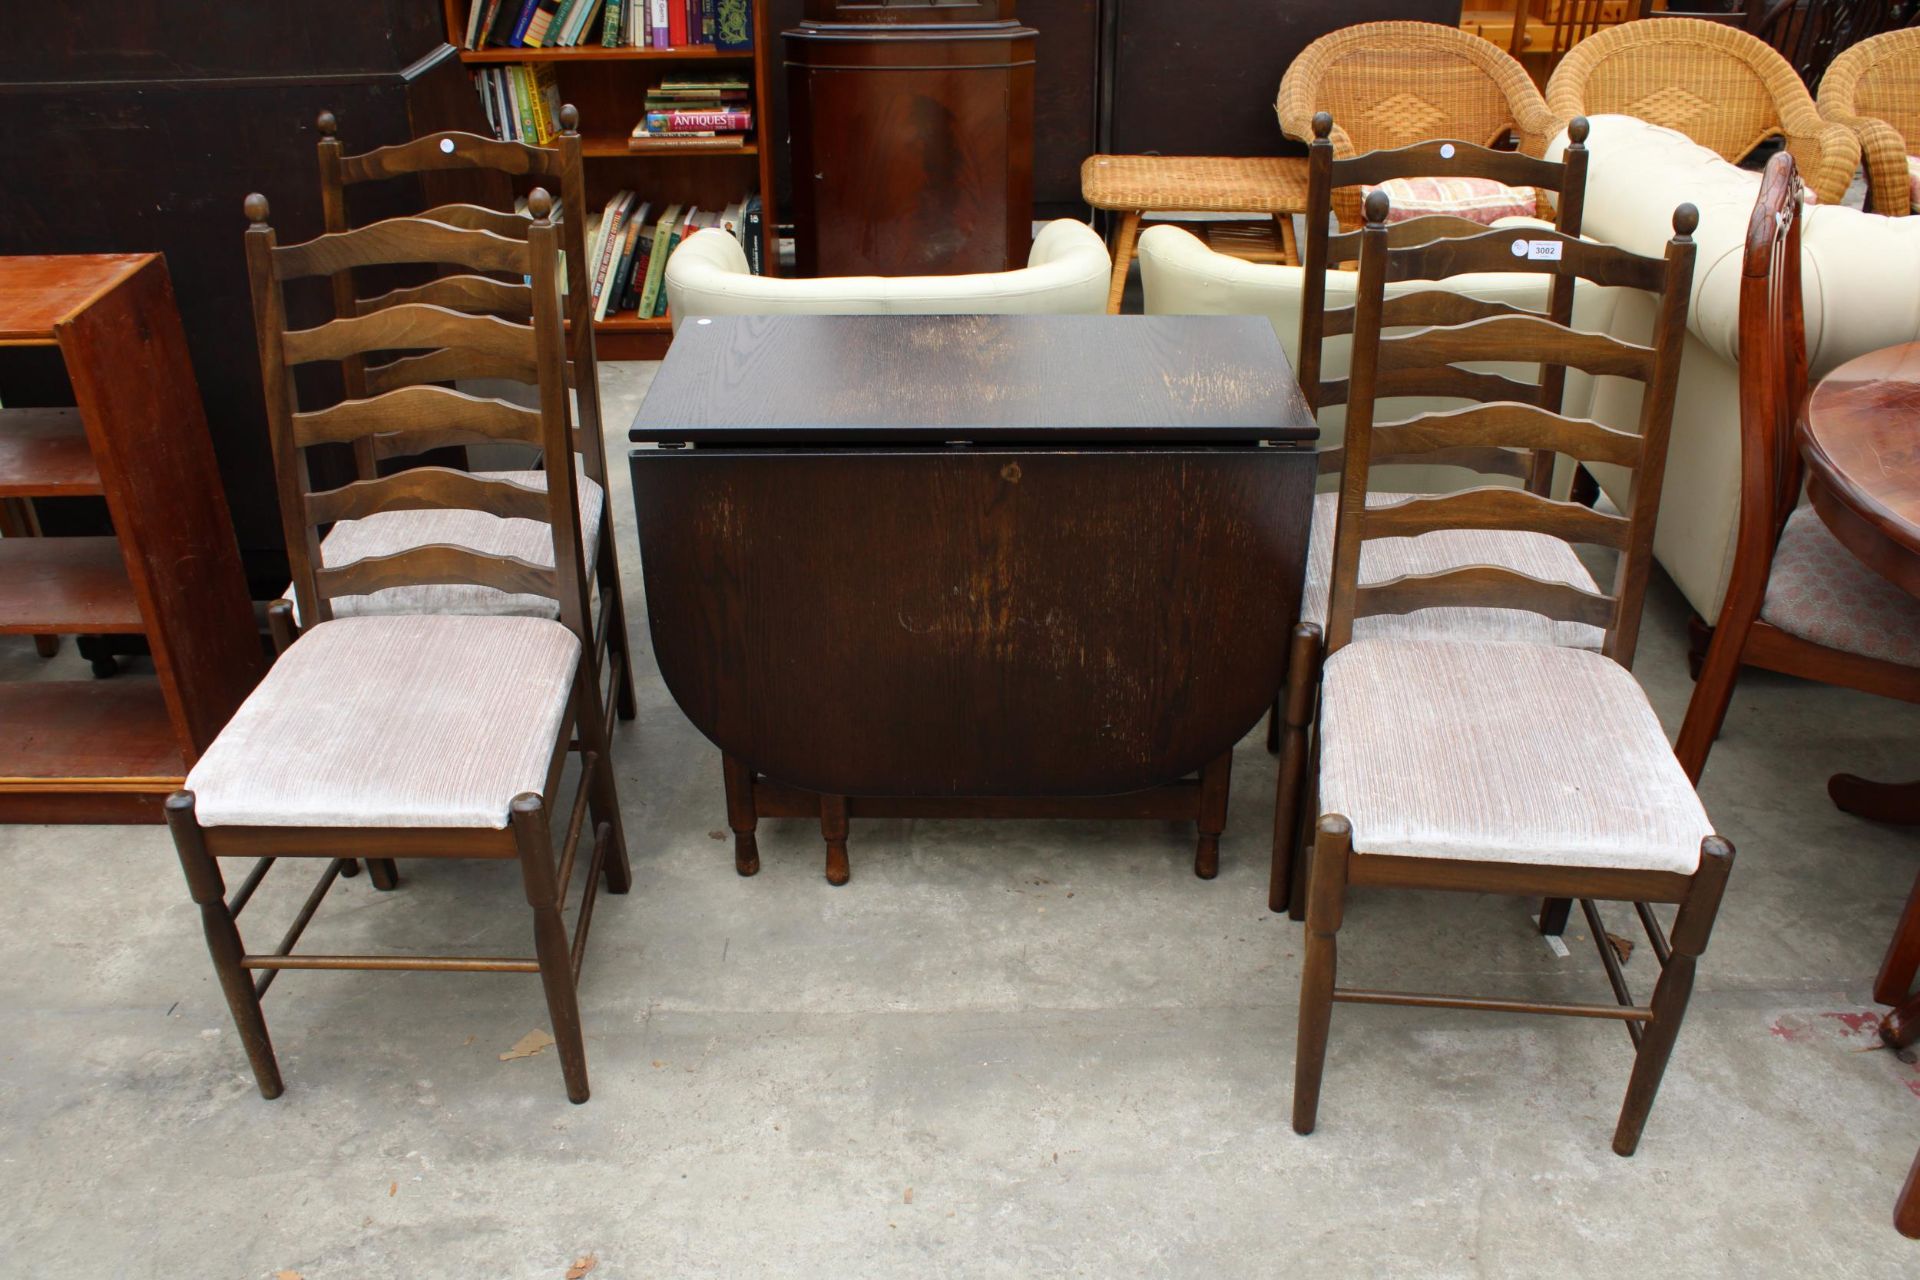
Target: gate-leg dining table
(973, 566)
(1861, 438)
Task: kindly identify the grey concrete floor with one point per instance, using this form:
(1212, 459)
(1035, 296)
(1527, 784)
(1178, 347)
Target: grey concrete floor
(1037, 1048)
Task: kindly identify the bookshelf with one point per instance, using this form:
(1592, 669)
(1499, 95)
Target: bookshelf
(609, 87)
(111, 750)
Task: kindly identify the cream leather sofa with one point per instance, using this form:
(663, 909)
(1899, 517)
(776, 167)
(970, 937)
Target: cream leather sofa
(1067, 272)
(1862, 284)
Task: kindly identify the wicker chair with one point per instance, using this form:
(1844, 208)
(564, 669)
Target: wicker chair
(1721, 87)
(1874, 89)
(1392, 84)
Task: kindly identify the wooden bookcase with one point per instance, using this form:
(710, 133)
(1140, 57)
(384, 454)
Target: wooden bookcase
(609, 86)
(110, 750)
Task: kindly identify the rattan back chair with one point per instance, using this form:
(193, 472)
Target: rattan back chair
(1874, 90)
(559, 167)
(434, 735)
(1393, 84)
(1718, 85)
(1493, 766)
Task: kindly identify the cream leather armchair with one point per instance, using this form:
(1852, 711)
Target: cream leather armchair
(1859, 269)
(1067, 273)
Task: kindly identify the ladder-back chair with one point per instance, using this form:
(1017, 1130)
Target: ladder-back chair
(1499, 766)
(1290, 727)
(426, 735)
(559, 166)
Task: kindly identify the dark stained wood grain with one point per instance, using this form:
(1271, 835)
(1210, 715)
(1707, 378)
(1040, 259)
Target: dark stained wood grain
(1861, 437)
(71, 586)
(935, 379)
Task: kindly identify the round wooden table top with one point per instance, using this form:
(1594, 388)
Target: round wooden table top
(1861, 438)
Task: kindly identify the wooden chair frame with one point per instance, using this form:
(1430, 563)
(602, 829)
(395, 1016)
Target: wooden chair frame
(1377, 363)
(1293, 714)
(400, 419)
(560, 166)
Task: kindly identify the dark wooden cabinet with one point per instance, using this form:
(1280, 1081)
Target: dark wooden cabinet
(137, 125)
(912, 126)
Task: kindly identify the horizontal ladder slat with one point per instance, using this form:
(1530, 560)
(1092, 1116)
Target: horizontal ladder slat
(1484, 586)
(436, 564)
(428, 489)
(1507, 424)
(449, 365)
(1519, 338)
(409, 410)
(477, 294)
(397, 240)
(411, 326)
(1496, 507)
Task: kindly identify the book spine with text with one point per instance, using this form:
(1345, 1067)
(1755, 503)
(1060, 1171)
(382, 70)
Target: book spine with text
(662, 29)
(698, 121)
(733, 26)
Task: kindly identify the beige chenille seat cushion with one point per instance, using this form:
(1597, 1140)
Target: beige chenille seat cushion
(416, 720)
(392, 531)
(1535, 554)
(1502, 752)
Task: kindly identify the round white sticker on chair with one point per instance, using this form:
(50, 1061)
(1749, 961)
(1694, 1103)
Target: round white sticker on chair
(703, 320)
(1446, 151)
(1519, 248)
(446, 145)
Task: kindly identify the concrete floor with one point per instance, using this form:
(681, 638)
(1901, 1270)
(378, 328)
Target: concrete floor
(1004, 1049)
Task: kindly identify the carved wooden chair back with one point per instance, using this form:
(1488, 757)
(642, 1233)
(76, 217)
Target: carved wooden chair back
(555, 168)
(1773, 365)
(400, 411)
(1327, 175)
(1427, 360)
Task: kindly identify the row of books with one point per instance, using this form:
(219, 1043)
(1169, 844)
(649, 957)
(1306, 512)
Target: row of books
(629, 244)
(726, 25)
(695, 113)
(522, 101)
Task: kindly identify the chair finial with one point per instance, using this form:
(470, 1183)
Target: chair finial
(1322, 124)
(569, 118)
(1577, 130)
(539, 204)
(256, 207)
(1377, 206)
(1685, 219)
(327, 125)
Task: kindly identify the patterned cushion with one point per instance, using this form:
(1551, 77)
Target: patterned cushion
(1481, 199)
(391, 531)
(1502, 752)
(1535, 554)
(1821, 592)
(420, 720)
(1913, 181)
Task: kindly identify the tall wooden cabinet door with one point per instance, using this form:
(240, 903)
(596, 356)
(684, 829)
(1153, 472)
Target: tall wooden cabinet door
(1066, 103)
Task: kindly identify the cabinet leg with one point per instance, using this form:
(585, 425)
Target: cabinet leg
(742, 817)
(833, 829)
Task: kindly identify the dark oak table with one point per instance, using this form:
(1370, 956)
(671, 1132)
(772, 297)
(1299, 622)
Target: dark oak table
(973, 566)
(1861, 438)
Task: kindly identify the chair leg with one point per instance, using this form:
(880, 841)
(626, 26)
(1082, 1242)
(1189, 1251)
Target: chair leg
(384, 873)
(607, 568)
(833, 829)
(1122, 258)
(1273, 727)
(1303, 682)
(1906, 1210)
(1692, 926)
(742, 816)
(1215, 780)
(1326, 904)
(1553, 916)
(1713, 689)
(550, 938)
(223, 941)
(603, 798)
(1305, 834)
(1902, 961)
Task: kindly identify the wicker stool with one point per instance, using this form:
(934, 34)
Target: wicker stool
(1131, 185)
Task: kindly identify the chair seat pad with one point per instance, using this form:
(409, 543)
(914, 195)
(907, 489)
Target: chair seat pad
(1535, 554)
(1820, 591)
(417, 720)
(1502, 752)
(1478, 199)
(388, 532)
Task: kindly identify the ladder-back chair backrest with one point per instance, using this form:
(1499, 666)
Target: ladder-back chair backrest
(1773, 366)
(1326, 176)
(401, 411)
(1383, 365)
(557, 167)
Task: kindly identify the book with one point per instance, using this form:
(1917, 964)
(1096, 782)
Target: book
(477, 22)
(676, 24)
(676, 231)
(621, 279)
(694, 142)
(756, 236)
(612, 220)
(525, 20)
(540, 24)
(522, 93)
(662, 32)
(611, 24)
(642, 259)
(650, 290)
(697, 121)
(733, 26)
(562, 19)
(706, 22)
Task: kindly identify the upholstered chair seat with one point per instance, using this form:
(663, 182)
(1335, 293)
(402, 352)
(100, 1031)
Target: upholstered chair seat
(1819, 591)
(1476, 199)
(1497, 751)
(389, 532)
(1534, 554)
(417, 720)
